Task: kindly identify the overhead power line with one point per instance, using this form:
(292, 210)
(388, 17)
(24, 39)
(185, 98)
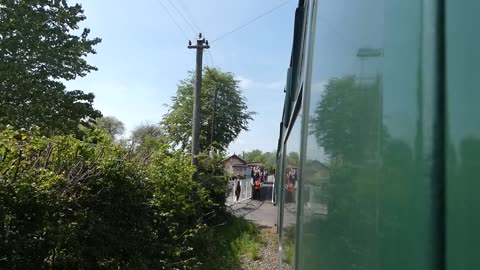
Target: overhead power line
(211, 58)
(251, 21)
(172, 18)
(185, 19)
(189, 14)
(194, 23)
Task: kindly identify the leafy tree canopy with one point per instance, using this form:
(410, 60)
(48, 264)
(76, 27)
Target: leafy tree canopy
(267, 158)
(111, 125)
(231, 111)
(144, 131)
(39, 50)
(254, 156)
(147, 137)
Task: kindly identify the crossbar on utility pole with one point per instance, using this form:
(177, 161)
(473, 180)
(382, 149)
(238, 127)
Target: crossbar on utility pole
(201, 44)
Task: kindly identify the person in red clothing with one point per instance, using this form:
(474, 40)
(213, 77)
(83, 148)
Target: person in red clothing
(257, 187)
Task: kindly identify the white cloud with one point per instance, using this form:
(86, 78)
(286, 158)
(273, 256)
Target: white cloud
(244, 82)
(248, 84)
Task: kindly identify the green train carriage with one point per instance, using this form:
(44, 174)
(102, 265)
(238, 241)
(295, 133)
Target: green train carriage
(379, 137)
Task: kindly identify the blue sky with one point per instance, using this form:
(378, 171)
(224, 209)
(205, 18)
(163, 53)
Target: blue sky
(143, 55)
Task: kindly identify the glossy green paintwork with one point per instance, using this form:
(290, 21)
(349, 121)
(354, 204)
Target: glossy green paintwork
(369, 171)
(463, 141)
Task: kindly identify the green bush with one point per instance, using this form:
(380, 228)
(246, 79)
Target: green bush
(212, 177)
(91, 204)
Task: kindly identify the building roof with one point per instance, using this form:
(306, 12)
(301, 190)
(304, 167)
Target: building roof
(237, 157)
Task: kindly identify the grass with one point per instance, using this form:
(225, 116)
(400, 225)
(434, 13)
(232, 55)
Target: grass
(249, 245)
(226, 244)
(289, 245)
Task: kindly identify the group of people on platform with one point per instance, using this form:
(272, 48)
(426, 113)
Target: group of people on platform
(259, 175)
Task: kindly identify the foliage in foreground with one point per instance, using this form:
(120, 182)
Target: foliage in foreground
(212, 177)
(71, 204)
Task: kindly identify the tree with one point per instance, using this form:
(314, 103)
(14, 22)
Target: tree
(144, 131)
(38, 52)
(111, 125)
(147, 137)
(231, 111)
(268, 158)
(254, 156)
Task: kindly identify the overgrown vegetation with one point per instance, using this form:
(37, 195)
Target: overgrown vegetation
(72, 204)
(249, 245)
(226, 244)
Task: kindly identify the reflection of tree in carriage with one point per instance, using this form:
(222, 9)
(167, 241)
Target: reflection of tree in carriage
(347, 124)
(346, 121)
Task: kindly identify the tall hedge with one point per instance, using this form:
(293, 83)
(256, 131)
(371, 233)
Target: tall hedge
(72, 204)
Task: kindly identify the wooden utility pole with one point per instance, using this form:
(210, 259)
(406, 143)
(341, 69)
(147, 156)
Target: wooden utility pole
(201, 44)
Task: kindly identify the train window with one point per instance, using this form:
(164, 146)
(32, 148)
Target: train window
(288, 99)
(298, 48)
(291, 183)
